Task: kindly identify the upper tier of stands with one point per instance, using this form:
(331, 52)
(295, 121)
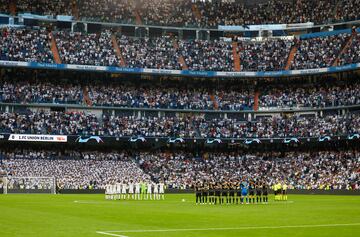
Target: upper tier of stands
(110, 49)
(187, 13)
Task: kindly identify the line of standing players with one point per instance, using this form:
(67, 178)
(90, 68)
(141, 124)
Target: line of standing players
(231, 192)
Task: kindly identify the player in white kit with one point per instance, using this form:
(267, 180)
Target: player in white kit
(113, 191)
(123, 191)
(137, 191)
(156, 192)
(149, 191)
(118, 191)
(131, 190)
(107, 191)
(162, 190)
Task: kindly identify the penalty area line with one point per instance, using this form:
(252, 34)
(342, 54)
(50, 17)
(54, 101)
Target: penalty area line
(112, 232)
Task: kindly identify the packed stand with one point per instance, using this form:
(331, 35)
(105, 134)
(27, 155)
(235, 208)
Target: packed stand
(86, 49)
(352, 54)
(269, 55)
(45, 7)
(271, 12)
(126, 95)
(348, 10)
(278, 126)
(180, 96)
(234, 99)
(319, 52)
(42, 122)
(25, 45)
(120, 11)
(206, 55)
(151, 97)
(4, 7)
(157, 53)
(311, 96)
(318, 170)
(148, 126)
(180, 170)
(45, 92)
(73, 123)
(167, 13)
(184, 14)
(73, 170)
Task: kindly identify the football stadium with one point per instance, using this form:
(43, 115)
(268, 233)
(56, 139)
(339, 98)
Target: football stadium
(179, 118)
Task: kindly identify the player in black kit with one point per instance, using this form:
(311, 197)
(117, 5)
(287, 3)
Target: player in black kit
(198, 193)
(265, 193)
(238, 192)
(225, 192)
(232, 192)
(211, 192)
(205, 192)
(251, 192)
(218, 188)
(258, 192)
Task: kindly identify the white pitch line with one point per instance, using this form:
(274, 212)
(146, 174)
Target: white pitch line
(111, 232)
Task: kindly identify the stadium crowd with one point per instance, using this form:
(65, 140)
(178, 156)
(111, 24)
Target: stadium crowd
(270, 12)
(178, 96)
(120, 11)
(43, 92)
(4, 7)
(75, 170)
(149, 53)
(279, 126)
(310, 96)
(167, 13)
(195, 13)
(25, 45)
(205, 55)
(189, 126)
(319, 52)
(84, 170)
(86, 49)
(352, 53)
(45, 7)
(165, 53)
(269, 55)
(348, 10)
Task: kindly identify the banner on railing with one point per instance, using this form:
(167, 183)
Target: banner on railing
(179, 72)
(37, 138)
(267, 27)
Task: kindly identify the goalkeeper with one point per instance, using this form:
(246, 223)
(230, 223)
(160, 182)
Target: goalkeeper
(143, 190)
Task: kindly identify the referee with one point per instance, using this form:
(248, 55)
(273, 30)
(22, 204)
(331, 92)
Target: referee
(198, 193)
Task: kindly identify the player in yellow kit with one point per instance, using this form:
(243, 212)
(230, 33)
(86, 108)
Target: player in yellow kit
(284, 192)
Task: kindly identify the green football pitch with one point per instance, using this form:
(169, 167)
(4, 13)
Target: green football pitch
(91, 216)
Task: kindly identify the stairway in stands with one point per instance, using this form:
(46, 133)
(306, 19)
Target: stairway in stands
(86, 97)
(196, 11)
(12, 7)
(122, 62)
(75, 10)
(256, 100)
(54, 48)
(344, 49)
(181, 58)
(236, 56)
(138, 19)
(291, 57)
(215, 102)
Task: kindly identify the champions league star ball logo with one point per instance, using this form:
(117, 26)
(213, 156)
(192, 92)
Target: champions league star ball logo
(85, 140)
